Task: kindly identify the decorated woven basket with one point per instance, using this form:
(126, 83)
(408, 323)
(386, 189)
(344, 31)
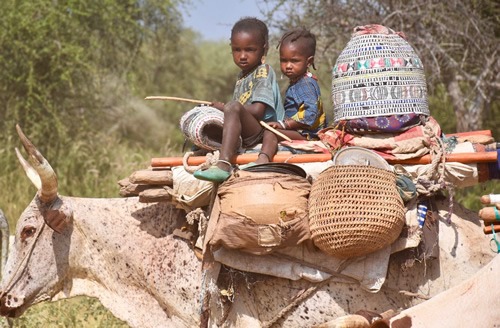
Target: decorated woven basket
(355, 210)
(203, 125)
(378, 74)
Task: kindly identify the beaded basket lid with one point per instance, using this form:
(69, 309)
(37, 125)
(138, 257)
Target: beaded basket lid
(378, 74)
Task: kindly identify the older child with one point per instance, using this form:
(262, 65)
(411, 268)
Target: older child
(303, 108)
(256, 96)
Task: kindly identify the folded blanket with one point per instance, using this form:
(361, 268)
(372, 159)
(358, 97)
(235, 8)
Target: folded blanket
(411, 143)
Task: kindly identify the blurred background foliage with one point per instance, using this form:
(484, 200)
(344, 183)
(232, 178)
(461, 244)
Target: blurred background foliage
(74, 75)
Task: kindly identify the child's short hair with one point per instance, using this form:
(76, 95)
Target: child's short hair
(303, 38)
(252, 24)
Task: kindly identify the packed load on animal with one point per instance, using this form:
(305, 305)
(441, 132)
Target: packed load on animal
(135, 241)
(369, 186)
(330, 218)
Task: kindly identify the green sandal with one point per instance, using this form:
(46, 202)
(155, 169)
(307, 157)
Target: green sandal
(213, 173)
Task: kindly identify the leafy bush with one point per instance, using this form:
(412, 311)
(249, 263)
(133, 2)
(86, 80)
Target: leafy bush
(81, 312)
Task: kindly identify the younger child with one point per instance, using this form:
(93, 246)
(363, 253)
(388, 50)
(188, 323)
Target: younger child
(256, 97)
(304, 115)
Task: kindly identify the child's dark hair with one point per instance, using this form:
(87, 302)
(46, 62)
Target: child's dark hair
(252, 24)
(304, 39)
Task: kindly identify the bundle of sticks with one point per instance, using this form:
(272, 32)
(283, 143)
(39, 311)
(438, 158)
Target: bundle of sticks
(150, 185)
(490, 215)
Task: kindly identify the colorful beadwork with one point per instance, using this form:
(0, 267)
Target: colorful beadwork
(378, 74)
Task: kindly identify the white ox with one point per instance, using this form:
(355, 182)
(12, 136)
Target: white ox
(123, 252)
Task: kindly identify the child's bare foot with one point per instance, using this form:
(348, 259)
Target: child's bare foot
(263, 158)
(224, 165)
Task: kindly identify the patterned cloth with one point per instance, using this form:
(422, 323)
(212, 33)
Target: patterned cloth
(390, 124)
(261, 86)
(407, 144)
(303, 104)
(378, 74)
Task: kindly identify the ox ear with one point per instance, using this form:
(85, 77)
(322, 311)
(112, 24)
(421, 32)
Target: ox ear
(58, 216)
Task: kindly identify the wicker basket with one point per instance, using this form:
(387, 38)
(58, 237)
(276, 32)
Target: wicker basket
(355, 210)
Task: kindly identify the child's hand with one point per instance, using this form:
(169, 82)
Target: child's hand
(275, 125)
(219, 105)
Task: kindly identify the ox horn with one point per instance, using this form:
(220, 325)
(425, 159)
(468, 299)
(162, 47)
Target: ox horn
(40, 172)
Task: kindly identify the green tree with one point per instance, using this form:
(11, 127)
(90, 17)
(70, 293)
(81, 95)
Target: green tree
(58, 56)
(185, 67)
(65, 75)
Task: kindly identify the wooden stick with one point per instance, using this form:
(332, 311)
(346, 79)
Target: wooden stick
(489, 221)
(242, 159)
(202, 102)
(490, 199)
(470, 133)
(134, 189)
(155, 195)
(276, 132)
(465, 158)
(488, 229)
(489, 215)
(150, 177)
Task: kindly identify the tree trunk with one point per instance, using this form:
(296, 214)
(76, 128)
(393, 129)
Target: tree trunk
(468, 117)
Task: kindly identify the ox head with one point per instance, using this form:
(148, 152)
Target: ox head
(33, 273)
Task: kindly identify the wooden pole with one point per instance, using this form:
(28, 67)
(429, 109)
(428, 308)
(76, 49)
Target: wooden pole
(470, 133)
(465, 158)
(490, 215)
(195, 101)
(490, 199)
(489, 229)
(243, 159)
(276, 132)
